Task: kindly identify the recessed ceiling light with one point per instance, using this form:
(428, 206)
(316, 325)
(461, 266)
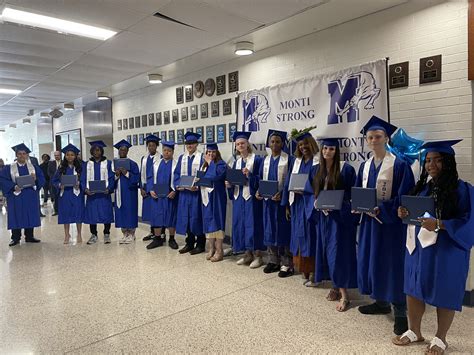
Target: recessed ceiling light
(3, 130)
(102, 95)
(9, 91)
(155, 78)
(12, 125)
(27, 120)
(55, 24)
(69, 106)
(243, 48)
(44, 115)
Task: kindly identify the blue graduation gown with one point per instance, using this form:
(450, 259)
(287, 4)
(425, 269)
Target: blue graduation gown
(70, 206)
(147, 200)
(127, 215)
(381, 251)
(437, 274)
(189, 204)
(247, 229)
(164, 210)
(303, 216)
(276, 228)
(23, 210)
(213, 215)
(99, 209)
(336, 244)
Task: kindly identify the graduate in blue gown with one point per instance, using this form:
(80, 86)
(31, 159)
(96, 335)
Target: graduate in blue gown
(214, 201)
(247, 229)
(126, 195)
(438, 251)
(99, 208)
(300, 207)
(276, 227)
(70, 198)
(382, 235)
(189, 220)
(147, 164)
(336, 247)
(164, 209)
(22, 203)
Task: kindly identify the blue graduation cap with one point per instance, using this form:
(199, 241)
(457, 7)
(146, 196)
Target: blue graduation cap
(99, 144)
(303, 136)
(168, 144)
(440, 146)
(122, 143)
(274, 132)
(330, 141)
(241, 134)
(21, 147)
(70, 148)
(152, 138)
(191, 137)
(212, 146)
(376, 123)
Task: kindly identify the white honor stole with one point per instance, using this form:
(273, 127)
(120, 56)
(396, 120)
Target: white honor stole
(282, 169)
(295, 170)
(194, 166)
(156, 168)
(143, 171)
(103, 172)
(118, 190)
(384, 179)
(205, 192)
(246, 188)
(75, 189)
(14, 173)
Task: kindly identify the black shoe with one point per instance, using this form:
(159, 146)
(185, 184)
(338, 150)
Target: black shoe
(148, 237)
(271, 268)
(32, 240)
(286, 271)
(156, 242)
(13, 243)
(400, 326)
(172, 244)
(185, 249)
(197, 250)
(374, 308)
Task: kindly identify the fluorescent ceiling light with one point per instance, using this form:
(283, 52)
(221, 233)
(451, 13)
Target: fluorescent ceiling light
(26, 120)
(12, 125)
(44, 115)
(55, 24)
(103, 95)
(155, 78)
(243, 48)
(9, 91)
(69, 106)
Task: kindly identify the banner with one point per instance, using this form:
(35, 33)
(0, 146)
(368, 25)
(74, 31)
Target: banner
(338, 103)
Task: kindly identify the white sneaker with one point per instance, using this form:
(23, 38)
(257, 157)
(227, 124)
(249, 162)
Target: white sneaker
(129, 239)
(123, 240)
(247, 259)
(256, 263)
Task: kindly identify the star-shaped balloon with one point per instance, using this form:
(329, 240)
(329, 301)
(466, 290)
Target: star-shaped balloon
(405, 147)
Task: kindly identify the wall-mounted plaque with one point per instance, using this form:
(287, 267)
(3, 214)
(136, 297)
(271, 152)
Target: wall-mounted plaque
(227, 106)
(232, 129)
(141, 139)
(157, 134)
(188, 92)
(198, 89)
(166, 117)
(205, 110)
(200, 130)
(119, 125)
(184, 114)
(135, 139)
(180, 136)
(189, 129)
(131, 123)
(171, 135)
(220, 85)
(129, 139)
(214, 108)
(221, 132)
(209, 87)
(137, 122)
(398, 75)
(144, 120)
(163, 135)
(175, 115)
(151, 119)
(430, 69)
(194, 112)
(147, 134)
(234, 81)
(125, 124)
(210, 134)
(179, 95)
(159, 120)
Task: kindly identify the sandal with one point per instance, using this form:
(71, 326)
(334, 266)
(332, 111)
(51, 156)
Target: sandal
(437, 346)
(344, 305)
(334, 295)
(210, 254)
(409, 336)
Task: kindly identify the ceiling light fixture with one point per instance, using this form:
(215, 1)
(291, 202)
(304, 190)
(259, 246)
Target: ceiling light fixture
(27, 120)
(155, 78)
(55, 24)
(69, 106)
(102, 95)
(243, 48)
(12, 125)
(9, 91)
(44, 115)
(3, 130)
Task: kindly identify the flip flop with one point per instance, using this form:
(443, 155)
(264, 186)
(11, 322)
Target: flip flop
(436, 342)
(410, 336)
(345, 305)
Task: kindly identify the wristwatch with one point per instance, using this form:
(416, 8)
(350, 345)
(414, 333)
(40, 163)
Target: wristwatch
(438, 227)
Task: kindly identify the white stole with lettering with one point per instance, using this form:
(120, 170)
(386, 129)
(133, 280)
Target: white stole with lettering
(282, 169)
(295, 170)
(384, 178)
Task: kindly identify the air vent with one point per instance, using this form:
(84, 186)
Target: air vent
(167, 18)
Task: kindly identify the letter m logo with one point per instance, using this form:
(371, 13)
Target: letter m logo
(343, 100)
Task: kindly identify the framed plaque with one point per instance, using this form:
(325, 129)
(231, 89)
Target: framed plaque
(135, 139)
(232, 129)
(398, 75)
(184, 114)
(221, 133)
(125, 124)
(205, 110)
(210, 134)
(189, 129)
(175, 115)
(131, 123)
(188, 92)
(137, 122)
(141, 139)
(163, 135)
(220, 85)
(179, 95)
(430, 69)
(210, 87)
(198, 89)
(119, 125)
(166, 117)
(147, 134)
(129, 139)
(200, 130)
(215, 109)
(227, 106)
(144, 120)
(156, 134)
(171, 135)
(234, 81)
(194, 112)
(180, 136)
(159, 120)
(151, 119)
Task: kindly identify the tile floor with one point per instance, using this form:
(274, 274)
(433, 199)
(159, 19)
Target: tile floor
(124, 298)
